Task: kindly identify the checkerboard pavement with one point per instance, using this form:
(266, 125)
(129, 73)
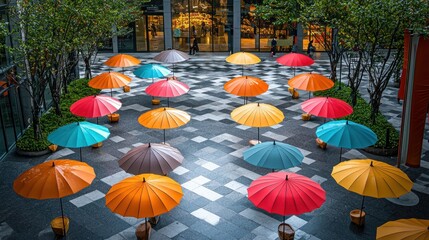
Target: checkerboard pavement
(214, 176)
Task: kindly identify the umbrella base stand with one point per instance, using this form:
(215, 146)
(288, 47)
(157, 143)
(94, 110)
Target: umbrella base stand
(114, 117)
(97, 145)
(154, 220)
(321, 143)
(306, 116)
(253, 142)
(143, 231)
(156, 101)
(357, 218)
(286, 232)
(58, 227)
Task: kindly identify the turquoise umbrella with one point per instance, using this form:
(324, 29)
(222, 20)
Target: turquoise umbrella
(78, 135)
(152, 70)
(346, 134)
(273, 155)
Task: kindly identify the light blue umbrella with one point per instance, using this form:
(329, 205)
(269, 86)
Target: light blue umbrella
(273, 155)
(152, 70)
(346, 134)
(78, 135)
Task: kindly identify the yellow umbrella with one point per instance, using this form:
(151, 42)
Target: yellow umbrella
(164, 118)
(143, 196)
(372, 178)
(109, 80)
(257, 115)
(404, 229)
(243, 58)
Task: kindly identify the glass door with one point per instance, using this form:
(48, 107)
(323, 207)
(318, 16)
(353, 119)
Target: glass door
(155, 32)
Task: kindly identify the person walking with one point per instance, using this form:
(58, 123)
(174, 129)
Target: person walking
(153, 29)
(310, 49)
(273, 47)
(195, 47)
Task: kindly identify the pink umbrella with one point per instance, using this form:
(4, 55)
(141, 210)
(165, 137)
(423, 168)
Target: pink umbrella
(167, 88)
(151, 158)
(327, 107)
(95, 106)
(295, 60)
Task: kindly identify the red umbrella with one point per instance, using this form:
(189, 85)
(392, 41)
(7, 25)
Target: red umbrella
(295, 60)
(95, 106)
(286, 193)
(327, 107)
(167, 88)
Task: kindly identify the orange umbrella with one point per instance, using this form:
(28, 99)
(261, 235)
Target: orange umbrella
(54, 179)
(310, 82)
(257, 115)
(246, 86)
(109, 80)
(164, 118)
(122, 60)
(243, 58)
(144, 195)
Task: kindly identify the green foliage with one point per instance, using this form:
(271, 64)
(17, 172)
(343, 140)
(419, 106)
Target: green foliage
(50, 121)
(361, 114)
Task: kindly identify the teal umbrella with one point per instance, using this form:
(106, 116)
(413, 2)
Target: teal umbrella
(152, 70)
(346, 134)
(78, 135)
(273, 155)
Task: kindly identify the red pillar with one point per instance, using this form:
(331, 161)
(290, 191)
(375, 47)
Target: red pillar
(416, 101)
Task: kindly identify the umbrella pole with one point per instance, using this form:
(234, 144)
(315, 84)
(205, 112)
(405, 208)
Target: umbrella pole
(341, 152)
(164, 135)
(62, 217)
(293, 71)
(147, 232)
(168, 102)
(97, 120)
(242, 70)
(80, 154)
(111, 92)
(361, 209)
(258, 135)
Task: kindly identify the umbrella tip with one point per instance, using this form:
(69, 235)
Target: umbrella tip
(149, 144)
(287, 177)
(258, 104)
(53, 163)
(371, 164)
(274, 142)
(144, 179)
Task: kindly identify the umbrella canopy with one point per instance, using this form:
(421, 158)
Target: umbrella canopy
(54, 179)
(122, 60)
(372, 178)
(243, 58)
(286, 193)
(151, 158)
(95, 106)
(109, 80)
(327, 107)
(404, 229)
(311, 82)
(257, 115)
(273, 155)
(167, 88)
(171, 56)
(79, 134)
(144, 195)
(246, 86)
(346, 134)
(295, 60)
(152, 70)
(164, 118)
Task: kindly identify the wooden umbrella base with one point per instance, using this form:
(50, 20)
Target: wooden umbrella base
(356, 217)
(58, 226)
(143, 231)
(286, 232)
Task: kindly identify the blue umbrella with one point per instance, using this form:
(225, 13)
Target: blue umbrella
(152, 70)
(78, 135)
(273, 155)
(346, 134)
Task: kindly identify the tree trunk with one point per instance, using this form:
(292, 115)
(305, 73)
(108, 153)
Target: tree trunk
(87, 62)
(37, 131)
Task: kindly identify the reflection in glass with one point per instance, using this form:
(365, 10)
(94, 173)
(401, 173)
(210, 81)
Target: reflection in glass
(203, 20)
(126, 39)
(320, 36)
(141, 34)
(156, 29)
